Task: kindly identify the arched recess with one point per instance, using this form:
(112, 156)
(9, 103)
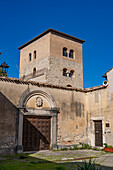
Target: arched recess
(26, 112)
(31, 92)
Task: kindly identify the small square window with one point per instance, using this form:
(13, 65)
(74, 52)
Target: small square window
(76, 126)
(107, 124)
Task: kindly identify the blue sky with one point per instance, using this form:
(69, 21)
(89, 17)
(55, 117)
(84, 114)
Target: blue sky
(90, 20)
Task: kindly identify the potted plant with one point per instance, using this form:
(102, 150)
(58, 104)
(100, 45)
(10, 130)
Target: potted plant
(108, 148)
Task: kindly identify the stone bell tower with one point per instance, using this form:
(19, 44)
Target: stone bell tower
(53, 57)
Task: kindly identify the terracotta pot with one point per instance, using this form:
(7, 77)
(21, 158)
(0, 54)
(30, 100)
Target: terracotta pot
(108, 149)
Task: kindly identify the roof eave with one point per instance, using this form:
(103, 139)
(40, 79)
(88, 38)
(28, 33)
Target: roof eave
(52, 31)
(105, 76)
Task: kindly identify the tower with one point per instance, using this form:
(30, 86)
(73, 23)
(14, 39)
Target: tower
(53, 57)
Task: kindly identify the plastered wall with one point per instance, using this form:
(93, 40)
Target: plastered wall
(71, 123)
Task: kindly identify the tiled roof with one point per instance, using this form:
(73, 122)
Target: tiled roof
(34, 83)
(94, 88)
(52, 31)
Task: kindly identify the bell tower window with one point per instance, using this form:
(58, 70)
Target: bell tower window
(71, 73)
(65, 72)
(71, 54)
(35, 54)
(34, 72)
(65, 51)
(29, 56)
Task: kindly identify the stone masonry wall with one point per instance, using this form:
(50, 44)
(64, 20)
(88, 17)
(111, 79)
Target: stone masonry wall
(8, 126)
(55, 72)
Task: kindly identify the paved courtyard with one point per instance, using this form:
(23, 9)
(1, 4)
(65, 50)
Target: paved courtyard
(99, 157)
(46, 160)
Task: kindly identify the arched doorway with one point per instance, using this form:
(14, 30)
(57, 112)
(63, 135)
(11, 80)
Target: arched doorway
(39, 129)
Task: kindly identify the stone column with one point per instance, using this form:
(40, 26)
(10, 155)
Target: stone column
(20, 132)
(54, 128)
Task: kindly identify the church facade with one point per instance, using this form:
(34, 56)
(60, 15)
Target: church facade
(47, 106)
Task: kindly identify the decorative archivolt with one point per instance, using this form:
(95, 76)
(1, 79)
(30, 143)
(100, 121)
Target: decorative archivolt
(31, 92)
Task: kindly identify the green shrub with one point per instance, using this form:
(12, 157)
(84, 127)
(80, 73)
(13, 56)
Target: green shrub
(108, 146)
(96, 149)
(64, 149)
(102, 149)
(88, 166)
(85, 146)
(75, 147)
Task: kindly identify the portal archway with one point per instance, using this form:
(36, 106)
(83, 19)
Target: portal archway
(39, 112)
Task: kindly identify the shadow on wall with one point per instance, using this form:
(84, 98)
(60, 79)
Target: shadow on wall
(76, 108)
(8, 126)
(34, 138)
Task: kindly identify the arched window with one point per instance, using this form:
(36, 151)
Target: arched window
(65, 72)
(35, 54)
(71, 73)
(69, 85)
(71, 54)
(65, 51)
(29, 56)
(34, 72)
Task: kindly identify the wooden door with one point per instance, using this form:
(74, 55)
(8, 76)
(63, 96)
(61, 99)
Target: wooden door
(98, 133)
(36, 133)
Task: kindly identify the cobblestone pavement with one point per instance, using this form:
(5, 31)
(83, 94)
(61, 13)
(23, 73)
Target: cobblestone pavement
(99, 157)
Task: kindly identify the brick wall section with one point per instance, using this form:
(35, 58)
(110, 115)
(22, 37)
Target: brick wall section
(8, 126)
(57, 43)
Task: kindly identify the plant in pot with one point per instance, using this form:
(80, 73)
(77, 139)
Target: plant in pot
(108, 148)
